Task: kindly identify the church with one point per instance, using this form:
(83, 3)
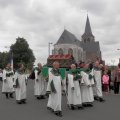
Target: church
(86, 49)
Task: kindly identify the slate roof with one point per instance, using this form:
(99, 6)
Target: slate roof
(67, 38)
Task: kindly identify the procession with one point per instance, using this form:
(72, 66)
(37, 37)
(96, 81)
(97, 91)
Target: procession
(81, 86)
(59, 60)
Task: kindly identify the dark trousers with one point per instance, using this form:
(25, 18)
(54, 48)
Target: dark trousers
(116, 87)
(0, 78)
(105, 87)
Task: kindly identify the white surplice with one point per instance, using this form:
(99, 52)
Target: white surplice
(40, 85)
(86, 89)
(98, 83)
(54, 100)
(21, 88)
(74, 96)
(8, 82)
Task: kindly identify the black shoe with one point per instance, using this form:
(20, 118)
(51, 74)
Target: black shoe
(60, 114)
(90, 105)
(42, 97)
(7, 95)
(56, 113)
(38, 98)
(23, 101)
(101, 100)
(11, 95)
(85, 105)
(80, 107)
(19, 102)
(96, 98)
(72, 108)
(49, 108)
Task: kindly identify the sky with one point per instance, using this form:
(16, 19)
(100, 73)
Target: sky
(43, 21)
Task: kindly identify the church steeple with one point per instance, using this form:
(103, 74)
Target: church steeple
(88, 36)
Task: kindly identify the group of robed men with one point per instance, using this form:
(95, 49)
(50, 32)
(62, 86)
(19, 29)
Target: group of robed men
(15, 82)
(80, 87)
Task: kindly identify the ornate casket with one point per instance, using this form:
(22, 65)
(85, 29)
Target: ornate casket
(65, 60)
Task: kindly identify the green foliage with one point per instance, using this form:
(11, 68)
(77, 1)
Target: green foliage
(22, 53)
(3, 59)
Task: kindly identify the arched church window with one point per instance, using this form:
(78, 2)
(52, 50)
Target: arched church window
(88, 40)
(70, 51)
(60, 51)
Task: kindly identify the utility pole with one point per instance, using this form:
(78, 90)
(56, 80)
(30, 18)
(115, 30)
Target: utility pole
(49, 47)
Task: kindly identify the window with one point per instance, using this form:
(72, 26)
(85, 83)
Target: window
(60, 51)
(88, 40)
(70, 51)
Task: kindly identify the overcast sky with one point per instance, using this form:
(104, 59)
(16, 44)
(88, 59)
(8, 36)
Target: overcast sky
(43, 21)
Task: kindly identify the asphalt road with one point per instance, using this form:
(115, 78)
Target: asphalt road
(36, 109)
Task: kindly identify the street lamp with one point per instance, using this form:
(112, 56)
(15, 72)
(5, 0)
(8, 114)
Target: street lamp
(113, 61)
(119, 58)
(49, 47)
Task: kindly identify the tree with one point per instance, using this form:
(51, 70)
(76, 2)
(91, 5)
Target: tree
(4, 59)
(22, 53)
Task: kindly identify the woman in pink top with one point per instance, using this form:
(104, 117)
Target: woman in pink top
(105, 80)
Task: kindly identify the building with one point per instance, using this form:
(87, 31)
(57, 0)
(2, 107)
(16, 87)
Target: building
(87, 50)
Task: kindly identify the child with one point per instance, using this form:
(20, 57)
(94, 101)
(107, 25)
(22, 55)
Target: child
(105, 80)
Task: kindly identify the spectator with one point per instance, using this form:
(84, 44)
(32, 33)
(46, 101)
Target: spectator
(105, 80)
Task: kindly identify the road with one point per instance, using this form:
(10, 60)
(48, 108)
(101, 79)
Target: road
(36, 109)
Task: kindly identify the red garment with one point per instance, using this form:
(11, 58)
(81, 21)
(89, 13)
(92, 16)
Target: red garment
(105, 79)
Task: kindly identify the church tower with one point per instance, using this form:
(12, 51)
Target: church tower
(88, 36)
(89, 45)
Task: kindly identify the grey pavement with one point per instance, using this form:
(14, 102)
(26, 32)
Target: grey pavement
(36, 109)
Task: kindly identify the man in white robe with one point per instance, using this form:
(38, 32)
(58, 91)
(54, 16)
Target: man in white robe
(54, 90)
(98, 82)
(20, 85)
(92, 83)
(86, 88)
(8, 81)
(74, 92)
(40, 83)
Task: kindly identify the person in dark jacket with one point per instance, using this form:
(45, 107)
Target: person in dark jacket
(116, 79)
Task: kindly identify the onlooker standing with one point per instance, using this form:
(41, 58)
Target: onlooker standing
(116, 79)
(105, 80)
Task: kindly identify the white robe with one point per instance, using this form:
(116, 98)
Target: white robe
(21, 89)
(54, 100)
(91, 86)
(40, 85)
(86, 89)
(7, 86)
(98, 84)
(74, 96)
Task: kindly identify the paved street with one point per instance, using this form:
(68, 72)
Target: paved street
(36, 110)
